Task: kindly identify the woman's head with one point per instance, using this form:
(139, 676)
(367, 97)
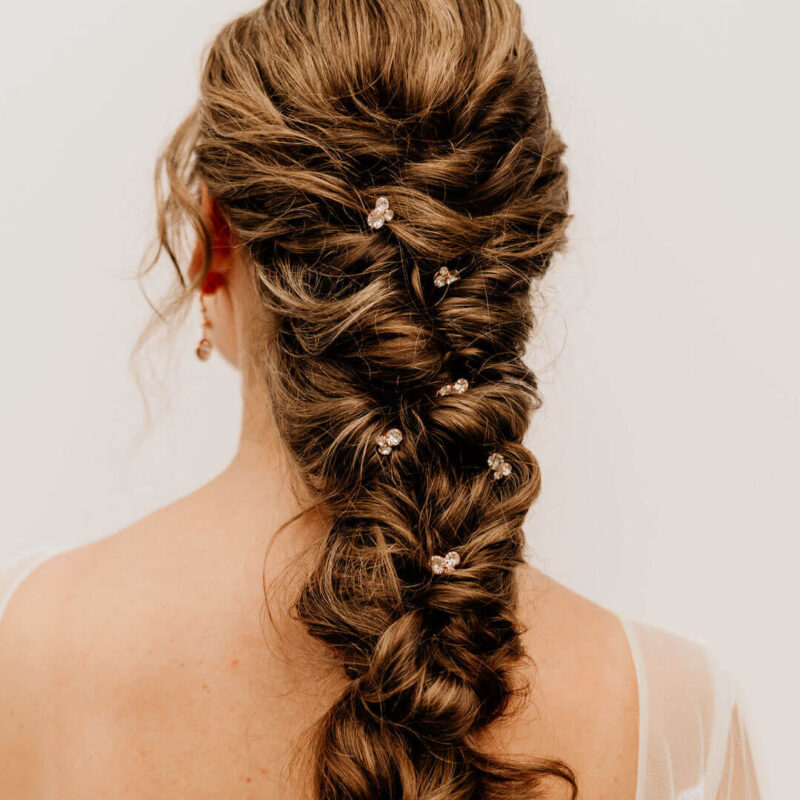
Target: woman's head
(309, 111)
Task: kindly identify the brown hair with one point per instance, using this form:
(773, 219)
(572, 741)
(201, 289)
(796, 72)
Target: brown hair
(310, 110)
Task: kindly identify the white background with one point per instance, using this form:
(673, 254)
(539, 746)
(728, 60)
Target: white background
(668, 351)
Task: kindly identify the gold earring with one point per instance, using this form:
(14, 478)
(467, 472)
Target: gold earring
(204, 346)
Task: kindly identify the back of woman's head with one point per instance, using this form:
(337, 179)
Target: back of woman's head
(310, 110)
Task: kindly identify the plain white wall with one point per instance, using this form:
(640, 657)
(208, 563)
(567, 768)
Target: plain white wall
(668, 353)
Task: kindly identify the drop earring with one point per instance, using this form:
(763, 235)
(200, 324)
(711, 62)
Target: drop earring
(204, 346)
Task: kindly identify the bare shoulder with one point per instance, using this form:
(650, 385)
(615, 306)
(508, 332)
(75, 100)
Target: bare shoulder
(37, 649)
(126, 580)
(28, 631)
(60, 601)
(36, 628)
(143, 647)
(583, 686)
(81, 623)
(70, 593)
(563, 626)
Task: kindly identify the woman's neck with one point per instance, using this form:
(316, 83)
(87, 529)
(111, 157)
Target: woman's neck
(261, 480)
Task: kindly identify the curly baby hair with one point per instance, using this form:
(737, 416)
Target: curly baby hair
(310, 112)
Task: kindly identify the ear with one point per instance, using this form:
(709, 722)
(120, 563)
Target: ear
(221, 242)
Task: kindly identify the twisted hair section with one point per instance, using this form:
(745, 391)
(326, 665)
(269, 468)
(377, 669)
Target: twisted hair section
(310, 110)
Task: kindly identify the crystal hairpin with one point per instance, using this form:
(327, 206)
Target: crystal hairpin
(447, 563)
(444, 277)
(500, 467)
(380, 214)
(388, 441)
(457, 387)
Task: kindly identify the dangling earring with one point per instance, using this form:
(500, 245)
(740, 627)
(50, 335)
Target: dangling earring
(204, 346)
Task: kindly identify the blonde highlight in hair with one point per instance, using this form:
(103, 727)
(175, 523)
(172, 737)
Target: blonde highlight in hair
(309, 111)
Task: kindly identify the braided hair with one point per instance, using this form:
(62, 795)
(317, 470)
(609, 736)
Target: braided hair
(392, 172)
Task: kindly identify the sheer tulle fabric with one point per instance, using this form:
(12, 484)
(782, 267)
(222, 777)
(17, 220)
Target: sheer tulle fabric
(694, 739)
(694, 742)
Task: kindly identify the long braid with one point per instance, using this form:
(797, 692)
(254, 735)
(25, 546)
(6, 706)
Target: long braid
(439, 107)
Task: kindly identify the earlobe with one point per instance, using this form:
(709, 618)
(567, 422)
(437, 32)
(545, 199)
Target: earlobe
(212, 282)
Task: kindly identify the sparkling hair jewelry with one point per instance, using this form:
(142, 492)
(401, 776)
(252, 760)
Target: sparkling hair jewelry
(457, 387)
(380, 214)
(444, 277)
(388, 441)
(446, 563)
(500, 467)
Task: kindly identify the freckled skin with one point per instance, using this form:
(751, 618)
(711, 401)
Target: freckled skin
(119, 719)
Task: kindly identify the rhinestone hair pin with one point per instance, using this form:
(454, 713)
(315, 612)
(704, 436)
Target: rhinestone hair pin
(388, 441)
(445, 563)
(380, 214)
(444, 277)
(500, 467)
(457, 387)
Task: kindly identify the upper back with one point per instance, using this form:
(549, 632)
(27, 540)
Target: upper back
(142, 666)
